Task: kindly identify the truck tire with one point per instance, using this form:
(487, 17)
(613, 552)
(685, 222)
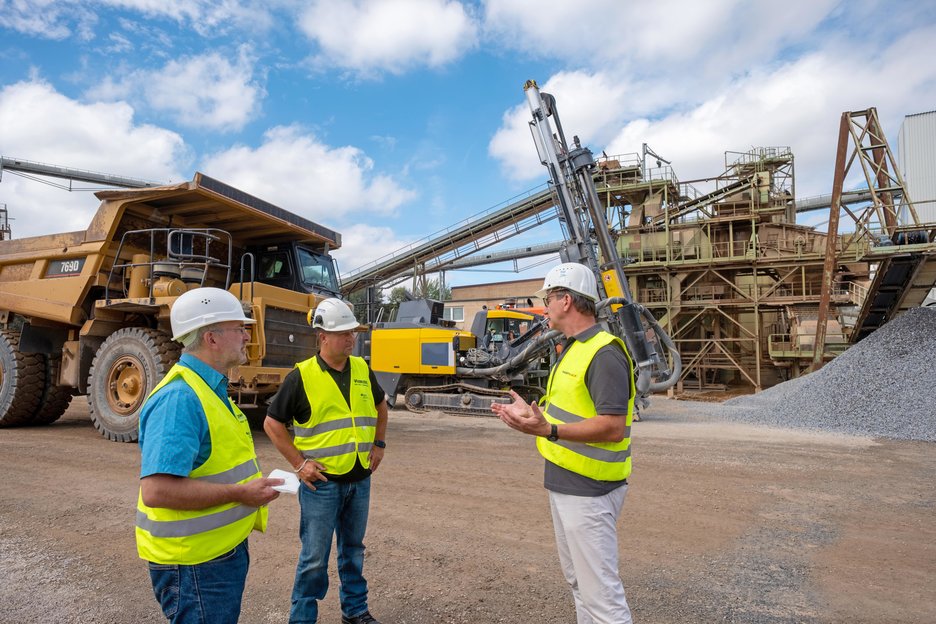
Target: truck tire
(55, 399)
(22, 379)
(126, 368)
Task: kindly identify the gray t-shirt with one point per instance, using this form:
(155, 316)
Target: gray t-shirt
(607, 380)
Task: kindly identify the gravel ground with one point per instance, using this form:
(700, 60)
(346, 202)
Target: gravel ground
(883, 386)
(724, 522)
(819, 513)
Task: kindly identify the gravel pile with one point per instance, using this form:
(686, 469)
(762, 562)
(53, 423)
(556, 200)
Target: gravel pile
(883, 386)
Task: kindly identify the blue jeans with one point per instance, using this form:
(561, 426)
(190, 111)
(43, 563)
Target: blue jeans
(205, 593)
(332, 509)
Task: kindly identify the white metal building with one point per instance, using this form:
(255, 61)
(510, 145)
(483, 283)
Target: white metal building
(916, 156)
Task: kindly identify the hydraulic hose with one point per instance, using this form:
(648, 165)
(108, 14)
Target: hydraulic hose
(645, 383)
(647, 359)
(514, 362)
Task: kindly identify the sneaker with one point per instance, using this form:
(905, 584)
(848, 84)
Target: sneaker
(364, 618)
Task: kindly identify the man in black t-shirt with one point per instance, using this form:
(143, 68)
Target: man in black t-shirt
(338, 414)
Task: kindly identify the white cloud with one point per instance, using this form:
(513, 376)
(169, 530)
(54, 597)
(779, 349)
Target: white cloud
(37, 123)
(206, 91)
(208, 18)
(797, 105)
(391, 35)
(48, 19)
(768, 101)
(652, 37)
(119, 44)
(61, 19)
(362, 244)
(299, 173)
(589, 106)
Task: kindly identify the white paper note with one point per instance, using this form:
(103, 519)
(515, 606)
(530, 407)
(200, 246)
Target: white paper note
(290, 481)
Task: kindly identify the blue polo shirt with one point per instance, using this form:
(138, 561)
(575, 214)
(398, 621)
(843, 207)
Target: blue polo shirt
(174, 436)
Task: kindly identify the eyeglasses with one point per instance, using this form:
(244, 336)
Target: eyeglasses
(550, 297)
(241, 329)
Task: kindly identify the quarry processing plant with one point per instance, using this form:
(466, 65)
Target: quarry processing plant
(742, 289)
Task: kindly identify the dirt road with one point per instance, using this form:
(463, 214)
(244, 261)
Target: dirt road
(723, 523)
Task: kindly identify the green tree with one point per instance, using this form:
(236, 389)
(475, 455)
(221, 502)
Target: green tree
(359, 300)
(437, 290)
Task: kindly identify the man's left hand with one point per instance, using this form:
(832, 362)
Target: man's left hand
(522, 416)
(375, 457)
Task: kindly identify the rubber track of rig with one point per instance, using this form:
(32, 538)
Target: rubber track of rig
(457, 391)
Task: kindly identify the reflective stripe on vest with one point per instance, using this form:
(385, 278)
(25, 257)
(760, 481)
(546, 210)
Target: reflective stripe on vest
(568, 401)
(336, 432)
(189, 537)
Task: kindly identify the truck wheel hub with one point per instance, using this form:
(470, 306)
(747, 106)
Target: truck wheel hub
(126, 385)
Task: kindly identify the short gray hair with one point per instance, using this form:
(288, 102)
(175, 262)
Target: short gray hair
(583, 304)
(192, 340)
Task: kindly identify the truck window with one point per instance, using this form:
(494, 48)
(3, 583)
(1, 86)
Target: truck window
(274, 266)
(317, 270)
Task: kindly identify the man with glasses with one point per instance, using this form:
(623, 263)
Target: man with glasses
(583, 432)
(338, 414)
(201, 489)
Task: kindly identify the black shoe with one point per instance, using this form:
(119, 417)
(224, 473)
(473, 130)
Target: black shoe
(364, 618)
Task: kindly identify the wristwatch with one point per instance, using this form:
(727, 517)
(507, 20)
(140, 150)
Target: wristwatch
(553, 433)
(380, 444)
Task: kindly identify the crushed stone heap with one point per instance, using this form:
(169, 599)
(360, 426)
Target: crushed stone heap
(884, 386)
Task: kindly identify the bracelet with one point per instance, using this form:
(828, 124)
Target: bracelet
(302, 465)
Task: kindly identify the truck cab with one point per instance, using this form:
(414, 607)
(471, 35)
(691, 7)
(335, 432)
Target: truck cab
(297, 267)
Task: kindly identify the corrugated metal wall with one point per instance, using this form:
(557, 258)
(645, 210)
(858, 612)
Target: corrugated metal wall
(916, 156)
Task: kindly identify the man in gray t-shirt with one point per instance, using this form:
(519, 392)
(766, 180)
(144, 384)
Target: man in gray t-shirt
(583, 432)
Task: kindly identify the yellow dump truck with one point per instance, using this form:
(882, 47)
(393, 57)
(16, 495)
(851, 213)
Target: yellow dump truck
(87, 312)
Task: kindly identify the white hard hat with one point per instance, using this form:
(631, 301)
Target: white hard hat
(570, 276)
(334, 315)
(204, 306)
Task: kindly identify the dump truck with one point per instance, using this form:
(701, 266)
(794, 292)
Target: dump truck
(87, 312)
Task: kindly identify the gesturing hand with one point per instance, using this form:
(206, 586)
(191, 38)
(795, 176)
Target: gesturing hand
(522, 416)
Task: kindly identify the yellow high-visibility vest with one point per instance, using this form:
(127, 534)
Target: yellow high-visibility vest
(336, 432)
(189, 537)
(567, 401)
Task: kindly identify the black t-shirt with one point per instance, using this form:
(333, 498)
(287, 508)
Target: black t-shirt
(607, 380)
(291, 404)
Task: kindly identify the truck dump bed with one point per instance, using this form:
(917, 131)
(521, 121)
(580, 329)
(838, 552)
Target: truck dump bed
(72, 263)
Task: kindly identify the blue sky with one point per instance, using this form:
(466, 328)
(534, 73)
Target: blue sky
(389, 120)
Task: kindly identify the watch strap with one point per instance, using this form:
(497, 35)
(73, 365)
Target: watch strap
(553, 433)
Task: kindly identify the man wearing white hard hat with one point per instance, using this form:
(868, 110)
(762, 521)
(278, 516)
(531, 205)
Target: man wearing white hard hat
(583, 432)
(201, 489)
(338, 414)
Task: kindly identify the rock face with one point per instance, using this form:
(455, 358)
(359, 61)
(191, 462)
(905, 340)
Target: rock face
(883, 386)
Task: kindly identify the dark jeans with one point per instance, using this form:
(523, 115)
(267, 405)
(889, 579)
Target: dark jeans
(206, 593)
(332, 509)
